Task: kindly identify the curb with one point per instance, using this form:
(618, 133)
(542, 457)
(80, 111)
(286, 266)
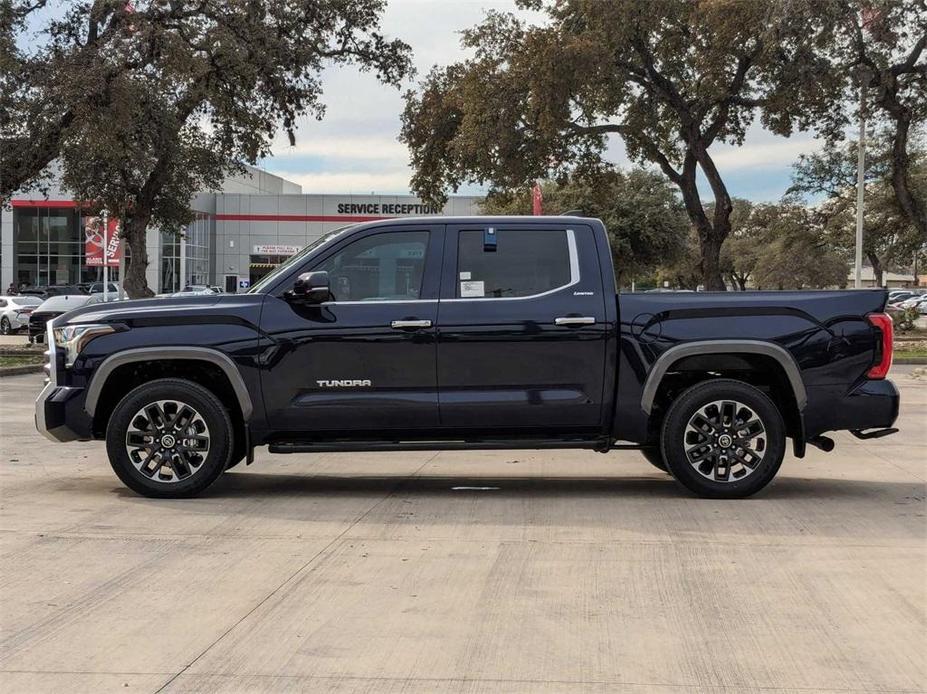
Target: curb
(909, 360)
(19, 370)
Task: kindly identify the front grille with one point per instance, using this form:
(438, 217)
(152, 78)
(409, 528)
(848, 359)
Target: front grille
(37, 326)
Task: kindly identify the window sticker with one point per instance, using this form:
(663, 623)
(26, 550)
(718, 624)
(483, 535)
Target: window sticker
(469, 290)
(464, 275)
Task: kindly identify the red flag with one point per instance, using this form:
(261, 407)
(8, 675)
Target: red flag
(93, 242)
(537, 200)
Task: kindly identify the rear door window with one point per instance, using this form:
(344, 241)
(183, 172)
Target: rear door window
(520, 263)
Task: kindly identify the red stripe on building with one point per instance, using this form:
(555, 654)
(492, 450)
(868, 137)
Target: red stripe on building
(45, 203)
(294, 218)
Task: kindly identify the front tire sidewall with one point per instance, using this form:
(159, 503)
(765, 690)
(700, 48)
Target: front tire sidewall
(673, 438)
(210, 409)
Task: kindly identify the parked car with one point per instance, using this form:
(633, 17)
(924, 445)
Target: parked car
(468, 333)
(15, 311)
(57, 305)
(97, 288)
(53, 290)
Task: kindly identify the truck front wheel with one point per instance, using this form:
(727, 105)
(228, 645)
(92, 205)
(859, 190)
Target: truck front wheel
(723, 439)
(169, 438)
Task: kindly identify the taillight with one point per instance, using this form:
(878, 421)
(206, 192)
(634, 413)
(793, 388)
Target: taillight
(883, 322)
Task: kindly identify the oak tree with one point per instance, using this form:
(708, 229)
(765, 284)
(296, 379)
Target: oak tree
(671, 78)
(146, 103)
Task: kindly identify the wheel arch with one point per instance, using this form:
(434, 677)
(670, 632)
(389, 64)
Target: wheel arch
(762, 360)
(235, 392)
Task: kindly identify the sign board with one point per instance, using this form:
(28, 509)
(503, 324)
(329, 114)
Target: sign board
(244, 284)
(402, 209)
(275, 249)
(93, 243)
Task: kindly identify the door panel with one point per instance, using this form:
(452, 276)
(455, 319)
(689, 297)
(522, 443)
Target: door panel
(365, 361)
(504, 362)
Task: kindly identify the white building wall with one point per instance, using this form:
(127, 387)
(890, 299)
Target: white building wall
(246, 221)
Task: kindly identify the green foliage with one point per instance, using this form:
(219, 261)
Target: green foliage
(793, 251)
(646, 222)
(904, 319)
(145, 104)
(890, 239)
(874, 50)
(670, 77)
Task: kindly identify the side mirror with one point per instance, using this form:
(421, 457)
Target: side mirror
(311, 288)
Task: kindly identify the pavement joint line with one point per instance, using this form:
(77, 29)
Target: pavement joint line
(512, 540)
(506, 680)
(300, 570)
(488, 680)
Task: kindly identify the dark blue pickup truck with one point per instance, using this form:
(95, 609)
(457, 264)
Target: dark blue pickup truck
(468, 333)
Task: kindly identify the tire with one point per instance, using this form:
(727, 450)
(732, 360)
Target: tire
(654, 456)
(5, 327)
(723, 439)
(190, 454)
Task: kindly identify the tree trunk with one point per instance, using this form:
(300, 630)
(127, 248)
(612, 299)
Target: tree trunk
(914, 209)
(709, 240)
(876, 267)
(720, 226)
(135, 232)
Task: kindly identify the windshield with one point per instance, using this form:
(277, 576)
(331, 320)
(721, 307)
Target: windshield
(271, 277)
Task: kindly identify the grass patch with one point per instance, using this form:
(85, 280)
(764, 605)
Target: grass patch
(20, 360)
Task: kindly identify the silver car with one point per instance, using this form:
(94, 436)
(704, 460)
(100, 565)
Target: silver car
(15, 312)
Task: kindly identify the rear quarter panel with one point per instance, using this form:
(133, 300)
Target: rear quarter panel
(826, 332)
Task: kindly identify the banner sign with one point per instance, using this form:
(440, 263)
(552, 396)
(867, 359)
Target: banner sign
(93, 243)
(537, 200)
(275, 249)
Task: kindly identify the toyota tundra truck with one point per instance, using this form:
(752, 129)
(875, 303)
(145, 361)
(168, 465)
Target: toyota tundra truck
(468, 333)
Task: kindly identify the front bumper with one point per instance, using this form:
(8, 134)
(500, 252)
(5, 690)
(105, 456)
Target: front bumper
(59, 410)
(59, 414)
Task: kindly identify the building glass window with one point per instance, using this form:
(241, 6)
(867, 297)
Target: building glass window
(48, 244)
(185, 256)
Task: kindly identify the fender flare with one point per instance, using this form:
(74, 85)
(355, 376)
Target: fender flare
(130, 356)
(689, 349)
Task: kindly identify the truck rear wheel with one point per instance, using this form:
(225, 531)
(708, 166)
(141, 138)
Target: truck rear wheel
(723, 439)
(169, 438)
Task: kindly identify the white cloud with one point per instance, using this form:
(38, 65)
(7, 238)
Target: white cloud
(359, 182)
(763, 150)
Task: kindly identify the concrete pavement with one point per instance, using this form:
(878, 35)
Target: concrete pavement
(464, 572)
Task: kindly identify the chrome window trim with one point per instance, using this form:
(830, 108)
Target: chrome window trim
(378, 303)
(574, 277)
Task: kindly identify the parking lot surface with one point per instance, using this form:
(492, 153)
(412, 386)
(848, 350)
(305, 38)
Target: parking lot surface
(515, 571)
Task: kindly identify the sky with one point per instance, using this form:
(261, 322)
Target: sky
(354, 149)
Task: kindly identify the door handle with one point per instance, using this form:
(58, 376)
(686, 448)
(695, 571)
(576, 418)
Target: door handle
(400, 324)
(574, 320)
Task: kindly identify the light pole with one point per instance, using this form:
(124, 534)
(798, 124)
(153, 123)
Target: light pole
(105, 216)
(860, 178)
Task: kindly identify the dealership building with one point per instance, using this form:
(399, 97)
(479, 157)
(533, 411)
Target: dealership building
(240, 233)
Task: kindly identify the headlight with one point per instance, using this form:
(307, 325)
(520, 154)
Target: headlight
(73, 338)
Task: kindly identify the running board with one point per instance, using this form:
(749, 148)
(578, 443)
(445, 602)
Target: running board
(415, 445)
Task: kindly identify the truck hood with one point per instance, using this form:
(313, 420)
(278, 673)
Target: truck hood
(128, 311)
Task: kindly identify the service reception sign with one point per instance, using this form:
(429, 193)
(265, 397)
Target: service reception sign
(95, 240)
